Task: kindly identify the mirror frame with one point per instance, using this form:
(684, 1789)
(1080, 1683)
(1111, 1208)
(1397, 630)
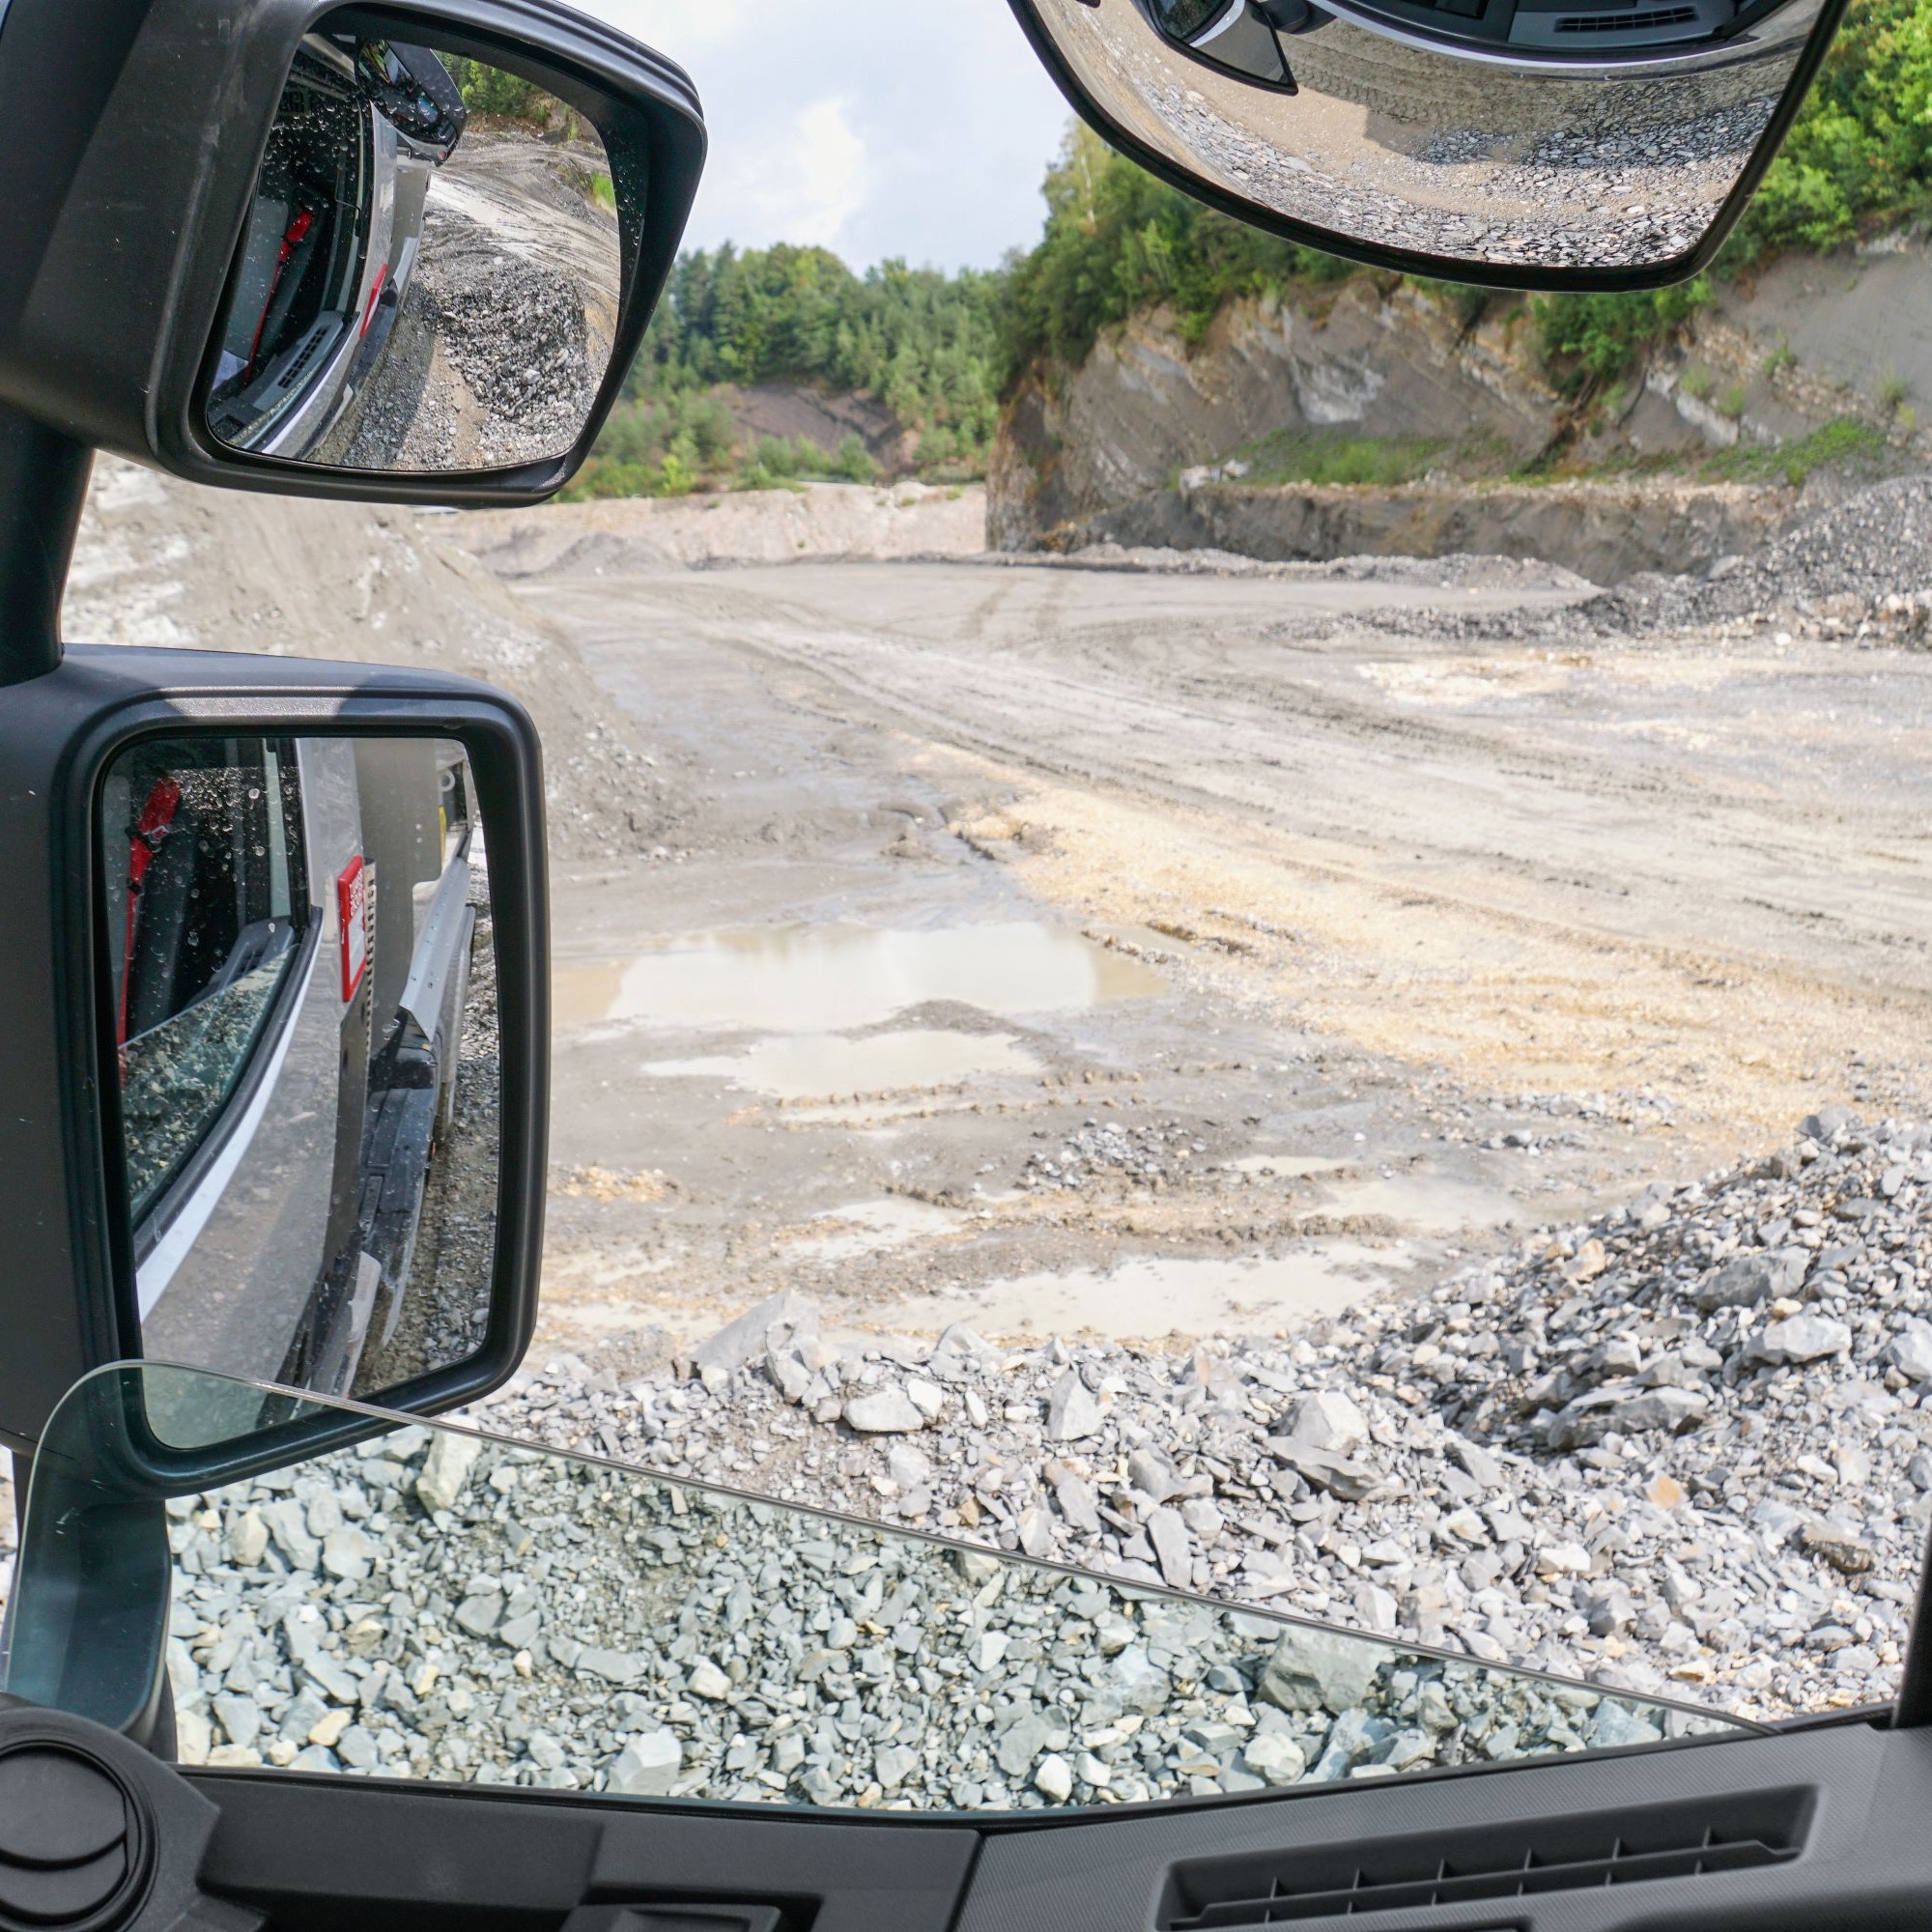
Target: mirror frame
(631, 176)
(1438, 268)
(134, 154)
(67, 1224)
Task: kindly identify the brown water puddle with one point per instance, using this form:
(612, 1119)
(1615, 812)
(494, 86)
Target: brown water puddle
(829, 978)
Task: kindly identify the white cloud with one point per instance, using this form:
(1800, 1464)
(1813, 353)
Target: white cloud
(878, 127)
(816, 196)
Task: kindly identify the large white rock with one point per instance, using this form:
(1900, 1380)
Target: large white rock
(1911, 1351)
(446, 1470)
(884, 1412)
(1071, 1411)
(745, 1339)
(1803, 1338)
(647, 1767)
(1328, 1420)
(1319, 1670)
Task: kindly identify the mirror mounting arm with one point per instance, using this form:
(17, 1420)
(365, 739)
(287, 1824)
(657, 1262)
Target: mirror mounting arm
(44, 481)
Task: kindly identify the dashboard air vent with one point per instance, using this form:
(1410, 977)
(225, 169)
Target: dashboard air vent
(1564, 1854)
(1647, 21)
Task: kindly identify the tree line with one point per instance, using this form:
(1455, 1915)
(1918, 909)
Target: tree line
(939, 351)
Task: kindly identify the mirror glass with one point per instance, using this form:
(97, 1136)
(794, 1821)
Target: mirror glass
(430, 276)
(1517, 135)
(435, 1604)
(301, 977)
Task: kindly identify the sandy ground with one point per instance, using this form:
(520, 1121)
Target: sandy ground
(1431, 941)
(1146, 951)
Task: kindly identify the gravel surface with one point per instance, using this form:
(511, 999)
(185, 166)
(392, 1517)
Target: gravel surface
(1677, 1449)
(1860, 569)
(440, 1607)
(505, 331)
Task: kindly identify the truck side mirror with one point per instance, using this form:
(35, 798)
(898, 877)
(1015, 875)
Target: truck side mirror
(284, 1118)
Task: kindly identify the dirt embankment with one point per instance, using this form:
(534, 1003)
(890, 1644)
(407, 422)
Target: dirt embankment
(1135, 445)
(812, 522)
(166, 563)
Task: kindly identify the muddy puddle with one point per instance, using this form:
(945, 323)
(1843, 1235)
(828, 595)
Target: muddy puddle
(1155, 1295)
(828, 979)
(825, 1065)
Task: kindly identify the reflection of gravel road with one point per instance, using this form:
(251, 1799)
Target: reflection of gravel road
(506, 328)
(447, 1307)
(1411, 149)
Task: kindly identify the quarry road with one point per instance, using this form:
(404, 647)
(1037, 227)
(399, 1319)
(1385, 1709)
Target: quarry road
(1690, 868)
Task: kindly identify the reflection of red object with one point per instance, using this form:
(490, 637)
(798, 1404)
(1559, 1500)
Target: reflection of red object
(375, 296)
(144, 841)
(298, 234)
(351, 905)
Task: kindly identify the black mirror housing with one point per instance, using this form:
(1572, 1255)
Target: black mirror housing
(61, 1224)
(131, 152)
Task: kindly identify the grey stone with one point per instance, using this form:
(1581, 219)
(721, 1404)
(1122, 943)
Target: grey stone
(1072, 1411)
(744, 1340)
(1749, 1279)
(884, 1412)
(1329, 1421)
(445, 1471)
(1275, 1758)
(240, 1716)
(1172, 1547)
(1911, 1351)
(647, 1767)
(1803, 1338)
(1319, 1670)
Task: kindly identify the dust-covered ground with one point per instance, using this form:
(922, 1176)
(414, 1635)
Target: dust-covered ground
(1146, 944)
(1196, 951)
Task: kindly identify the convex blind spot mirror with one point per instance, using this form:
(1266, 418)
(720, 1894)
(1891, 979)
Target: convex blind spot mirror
(301, 983)
(1544, 143)
(431, 275)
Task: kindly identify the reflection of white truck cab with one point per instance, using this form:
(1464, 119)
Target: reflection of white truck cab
(289, 930)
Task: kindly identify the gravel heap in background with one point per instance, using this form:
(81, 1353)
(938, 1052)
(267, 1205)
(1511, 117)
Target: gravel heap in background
(1679, 1449)
(1860, 569)
(1837, 571)
(428, 1605)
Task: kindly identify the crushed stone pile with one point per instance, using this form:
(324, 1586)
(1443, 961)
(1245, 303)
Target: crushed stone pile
(1680, 1449)
(431, 1606)
(1864, 562)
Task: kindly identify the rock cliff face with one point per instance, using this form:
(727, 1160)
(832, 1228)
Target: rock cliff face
(1131, 447)
(1380, 362)
(1603, 532)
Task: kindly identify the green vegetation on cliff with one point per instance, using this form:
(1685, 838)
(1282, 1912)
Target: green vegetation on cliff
(924, 343)
(1116, 240)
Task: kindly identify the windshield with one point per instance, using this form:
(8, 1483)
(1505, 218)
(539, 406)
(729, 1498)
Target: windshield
(438, 1605)
(1260, 926)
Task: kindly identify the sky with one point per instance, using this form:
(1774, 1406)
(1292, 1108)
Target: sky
(874, 127)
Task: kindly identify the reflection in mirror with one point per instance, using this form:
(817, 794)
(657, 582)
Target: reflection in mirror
(302, 990)
(438, 1605)
(1507, 134)
(430, 276)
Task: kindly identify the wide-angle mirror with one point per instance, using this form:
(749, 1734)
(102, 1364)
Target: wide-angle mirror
(301, 989)
(431, 274)
(1517, 141)
(435, 1604)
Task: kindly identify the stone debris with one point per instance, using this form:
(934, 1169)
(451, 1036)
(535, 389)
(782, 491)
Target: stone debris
(1679, 1449)
(567, 1626)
